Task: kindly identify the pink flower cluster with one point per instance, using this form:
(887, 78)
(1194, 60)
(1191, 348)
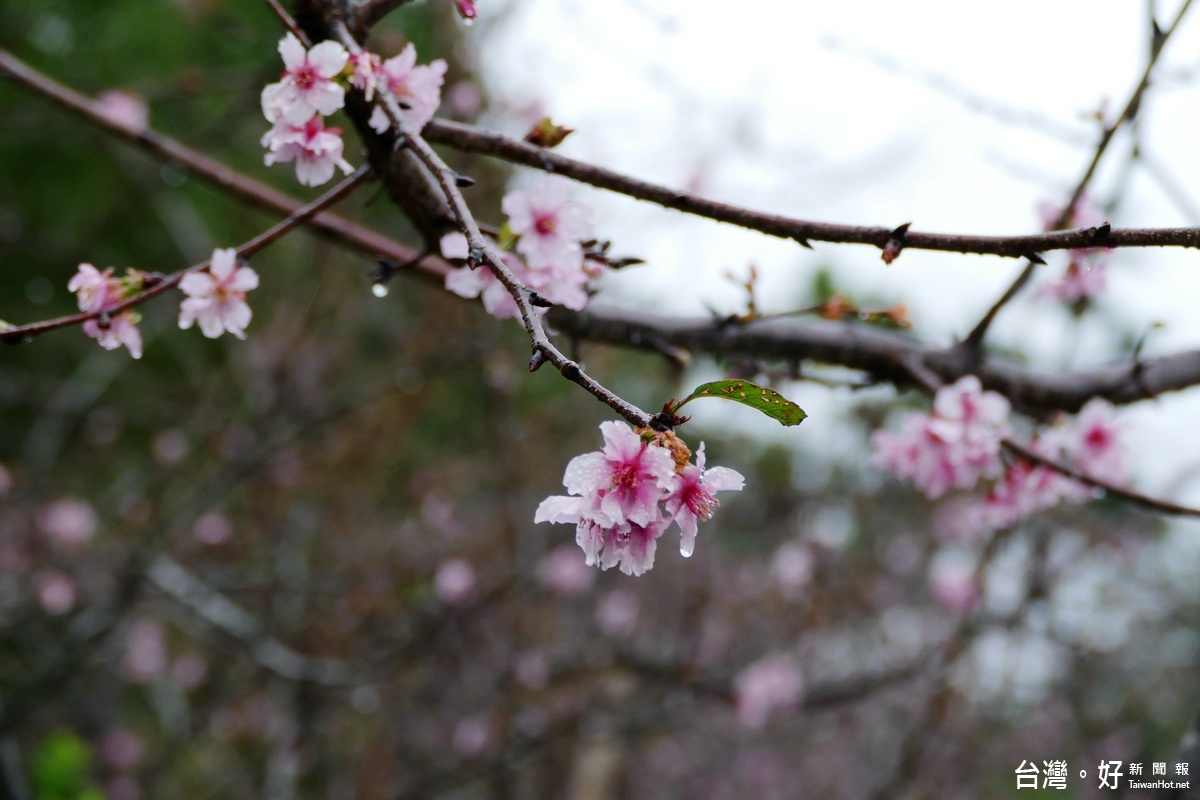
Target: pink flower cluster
(550, 228)
(959, 444)
(953, 447)
(99, 291)
(216, 298)
(1086, 276)
(1091, 444)
(295, 105)
(618, 496)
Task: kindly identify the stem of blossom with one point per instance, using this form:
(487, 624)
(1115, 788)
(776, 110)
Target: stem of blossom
(168, 282)
(484, 252)
(974, 340)
(470, 139)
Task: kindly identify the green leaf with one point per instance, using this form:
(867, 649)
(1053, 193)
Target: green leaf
(507, 239)
(768, 401)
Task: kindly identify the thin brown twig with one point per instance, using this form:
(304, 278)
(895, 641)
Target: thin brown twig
(1137, 498)
(470, 139)
(974, 339)
(484, 253)
(288, 22)
(168, 282)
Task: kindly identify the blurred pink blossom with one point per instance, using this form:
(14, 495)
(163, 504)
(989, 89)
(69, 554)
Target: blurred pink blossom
(772, 682)
(123, 787)
(617, 612)
(952, 580)
(561, 571)
(145, 653)
(454, 582)
(953, 447)
(189, 671)
(56, 591)
(124, 108)
(68, 523)
(472, 736)
(464, 98)
(792, 568)
(1085, 276)
(121, 749)
(213, 528)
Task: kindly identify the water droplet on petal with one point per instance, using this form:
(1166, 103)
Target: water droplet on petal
(379, 289)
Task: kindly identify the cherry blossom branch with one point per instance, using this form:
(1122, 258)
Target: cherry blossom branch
(885, 355)
(974, 339)
(162, 147)
(470, 139)
(484, 253)
(156, 285)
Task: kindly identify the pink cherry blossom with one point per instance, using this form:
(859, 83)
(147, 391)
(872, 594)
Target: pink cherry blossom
(623, 482)
(94, 290)
(564, 288)
(97, 291)
(417, 88)
(1094, 444)
(366, 67)
(217, 297)
(550, 225)
(618, 495)
(317, 150)
(308, 86)
(691, 500)
(771, 682)
(953, 447)
(1090, 443)
(116, 331)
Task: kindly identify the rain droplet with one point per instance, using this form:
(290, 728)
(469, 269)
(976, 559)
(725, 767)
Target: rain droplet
(379, 289)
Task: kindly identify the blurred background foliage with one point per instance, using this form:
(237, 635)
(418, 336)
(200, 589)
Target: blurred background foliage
(359, 479)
